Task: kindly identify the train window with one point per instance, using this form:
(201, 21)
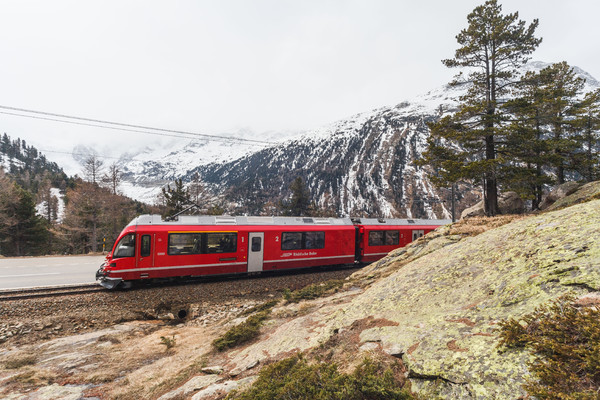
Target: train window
(314, 240)
(125, 247)
(256, 244)
(384, 238)
(417, 234)
(146, 246)
(376, 238)
(302, 240)
(225, 242)
(291, 241)
(185, 243)
(202, 243)
(392, 238)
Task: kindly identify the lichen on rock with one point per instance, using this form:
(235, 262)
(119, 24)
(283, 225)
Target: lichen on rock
(448, 302)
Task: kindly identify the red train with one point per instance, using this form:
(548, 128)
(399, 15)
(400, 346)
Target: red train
(151, 248)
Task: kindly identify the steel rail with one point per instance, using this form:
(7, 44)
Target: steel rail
(48, 291)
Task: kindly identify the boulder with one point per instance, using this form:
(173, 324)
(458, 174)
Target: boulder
(508, 203)
(559, 192)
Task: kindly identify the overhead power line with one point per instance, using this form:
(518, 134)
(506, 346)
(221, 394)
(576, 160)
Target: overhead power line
(123, 126)
(78, 154)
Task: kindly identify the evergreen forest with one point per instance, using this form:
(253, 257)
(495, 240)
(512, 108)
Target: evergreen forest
(43, 211)
(512, 130)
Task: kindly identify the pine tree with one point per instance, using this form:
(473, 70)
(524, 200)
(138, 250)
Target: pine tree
(83, 216)
(468, 144)
(50, 202)
(588, 124)
(528, 141)
(22, 232)
(561, 91)
(586, 159)
(176, 199)
(299, 204)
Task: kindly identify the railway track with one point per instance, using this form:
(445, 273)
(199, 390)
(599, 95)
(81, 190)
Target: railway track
(53, 291)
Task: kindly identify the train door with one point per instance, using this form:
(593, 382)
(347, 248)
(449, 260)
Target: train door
(146, 254)
(255, 251)
(417, 233)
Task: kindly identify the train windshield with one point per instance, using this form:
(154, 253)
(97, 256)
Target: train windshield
(125, 247)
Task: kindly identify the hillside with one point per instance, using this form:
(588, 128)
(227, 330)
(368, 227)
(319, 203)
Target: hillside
(439, 302)
(28, 166)
(359, 166)
(434, 307)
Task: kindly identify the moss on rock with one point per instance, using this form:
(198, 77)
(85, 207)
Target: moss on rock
(448, 302)
(444, 296)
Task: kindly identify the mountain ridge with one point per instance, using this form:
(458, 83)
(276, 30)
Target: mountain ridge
(361, 165)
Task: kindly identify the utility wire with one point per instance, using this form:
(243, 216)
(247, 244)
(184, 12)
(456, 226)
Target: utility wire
(167, 132)
(77, 154)
(215, 138)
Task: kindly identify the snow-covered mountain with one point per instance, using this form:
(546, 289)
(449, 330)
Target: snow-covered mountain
(362, 165)
(359, 166)
(147, 170)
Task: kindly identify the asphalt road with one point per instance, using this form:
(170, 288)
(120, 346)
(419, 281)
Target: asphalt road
(48, 271)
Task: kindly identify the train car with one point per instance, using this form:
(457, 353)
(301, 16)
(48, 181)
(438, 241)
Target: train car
(152, 248)
(377, 237)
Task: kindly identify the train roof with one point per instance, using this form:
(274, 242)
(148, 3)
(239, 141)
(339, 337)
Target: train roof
(227, 220)
(399, 221)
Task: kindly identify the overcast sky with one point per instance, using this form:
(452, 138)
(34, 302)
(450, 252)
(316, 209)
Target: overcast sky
(224, 65)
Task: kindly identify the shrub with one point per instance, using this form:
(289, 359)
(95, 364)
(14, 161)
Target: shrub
(169, 342)
(312, 291)
(294, 378)
(261, 307)
(247, 330)
(566, 343)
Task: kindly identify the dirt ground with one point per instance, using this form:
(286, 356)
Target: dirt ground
(125, 345)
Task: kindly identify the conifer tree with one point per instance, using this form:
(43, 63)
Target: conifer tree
(588, 159)
(528, 141)
(176, 199)
(561, 90)
(22, 232)
(468, 144)
(299, 204)
(83, 216)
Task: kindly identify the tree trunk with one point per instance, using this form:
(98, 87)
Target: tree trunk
(94, 238)
(491, 184)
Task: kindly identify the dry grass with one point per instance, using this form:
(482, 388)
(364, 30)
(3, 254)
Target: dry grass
(19, 360)
(477, 225)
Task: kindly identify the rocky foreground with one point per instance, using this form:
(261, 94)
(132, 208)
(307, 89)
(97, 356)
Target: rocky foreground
(435, 305)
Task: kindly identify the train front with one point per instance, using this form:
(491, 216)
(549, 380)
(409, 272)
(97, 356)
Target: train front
(111, 272)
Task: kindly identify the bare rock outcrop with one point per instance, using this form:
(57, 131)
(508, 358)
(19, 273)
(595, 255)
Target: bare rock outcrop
(508, 203)
(559, 192)
(443, 296)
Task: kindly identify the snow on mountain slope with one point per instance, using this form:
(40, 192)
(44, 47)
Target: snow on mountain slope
(359, 166)
(147, 170)
(362, 165)
(42, 208)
